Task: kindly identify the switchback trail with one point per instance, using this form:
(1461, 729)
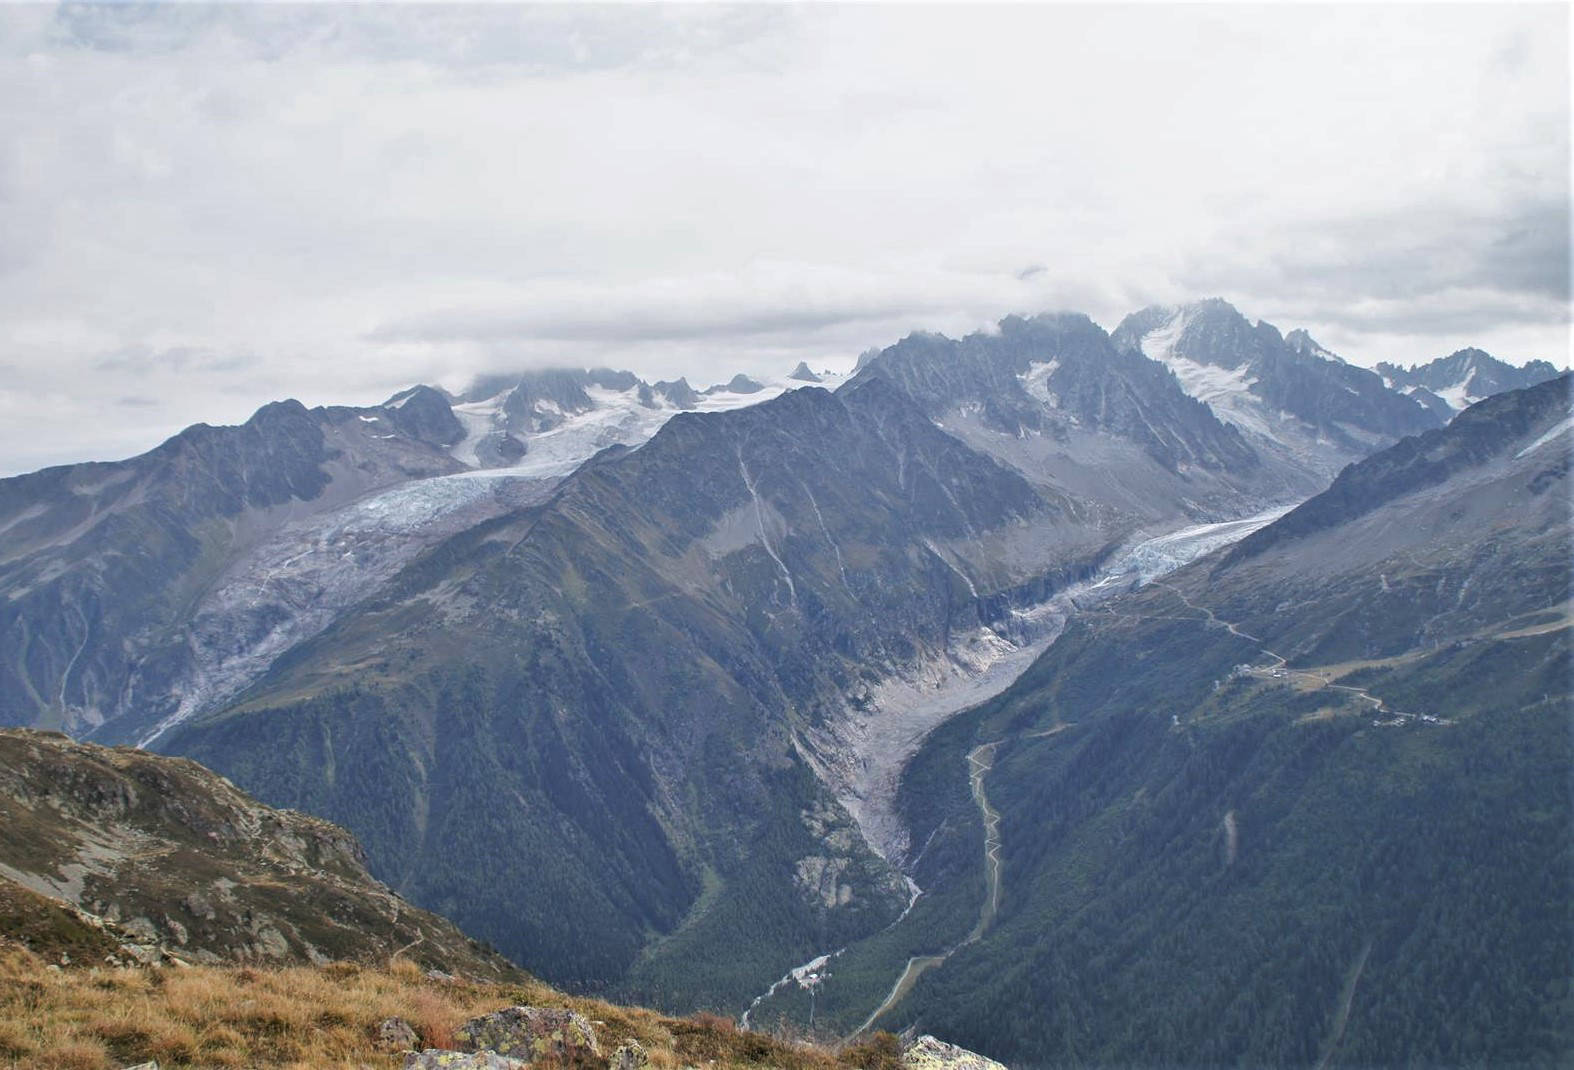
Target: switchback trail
(1281, 665)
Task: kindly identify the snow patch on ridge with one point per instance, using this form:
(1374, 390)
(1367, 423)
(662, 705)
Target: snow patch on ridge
(1560, 428)
(616, 418)
(1227, 392)
(1036, 381)
(1459, 396)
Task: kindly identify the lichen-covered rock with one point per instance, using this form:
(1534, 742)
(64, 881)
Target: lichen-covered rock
(927, 1053)
(395, 1034)
(437, 1059)
(531, 1032)
(630, 1055)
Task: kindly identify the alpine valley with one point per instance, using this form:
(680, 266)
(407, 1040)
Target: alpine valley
(1079, 696)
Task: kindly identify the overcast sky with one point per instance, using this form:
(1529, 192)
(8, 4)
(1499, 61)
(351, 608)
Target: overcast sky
(205, 208)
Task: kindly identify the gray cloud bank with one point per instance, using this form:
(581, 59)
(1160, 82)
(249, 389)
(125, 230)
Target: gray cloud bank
(205, 207)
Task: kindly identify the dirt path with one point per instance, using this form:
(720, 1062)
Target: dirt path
(1280, 669)
(980, 760)
(1342, 1014)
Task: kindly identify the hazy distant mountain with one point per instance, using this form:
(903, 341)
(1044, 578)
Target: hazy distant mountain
(1453, 383)
(1290, 398)
(1055, 398)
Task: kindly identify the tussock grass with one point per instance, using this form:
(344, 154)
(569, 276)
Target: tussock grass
(310, 1018)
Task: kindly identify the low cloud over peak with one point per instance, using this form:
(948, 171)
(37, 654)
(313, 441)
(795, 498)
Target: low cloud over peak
(212, 206)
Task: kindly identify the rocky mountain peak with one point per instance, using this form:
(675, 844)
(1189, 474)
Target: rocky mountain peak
(1301, 341)
(424, 413)
(1453, 383)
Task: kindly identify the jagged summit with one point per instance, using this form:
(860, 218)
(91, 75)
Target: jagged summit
(679, 392)
(1286, 394)
(803, 374)
(1050, 374)
(738, 384)
(1464, 377)
(1301, 341)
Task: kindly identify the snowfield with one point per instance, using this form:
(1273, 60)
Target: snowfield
(618, 419)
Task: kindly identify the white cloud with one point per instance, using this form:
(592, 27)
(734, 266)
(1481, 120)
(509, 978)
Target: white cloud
(329, 202)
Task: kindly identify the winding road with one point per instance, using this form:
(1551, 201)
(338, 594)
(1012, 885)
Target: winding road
(1281, 665)
(980, 760)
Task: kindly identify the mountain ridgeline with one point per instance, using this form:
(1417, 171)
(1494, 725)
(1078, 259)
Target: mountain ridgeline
(616, 675)
(102, 564)
(618, 679)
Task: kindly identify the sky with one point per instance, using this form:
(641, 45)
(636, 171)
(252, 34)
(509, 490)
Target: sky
(204, 208)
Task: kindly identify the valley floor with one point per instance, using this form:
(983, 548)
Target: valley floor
(904, 712)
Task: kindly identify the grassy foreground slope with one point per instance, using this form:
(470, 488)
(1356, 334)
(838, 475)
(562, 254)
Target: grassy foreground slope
(311, 1018)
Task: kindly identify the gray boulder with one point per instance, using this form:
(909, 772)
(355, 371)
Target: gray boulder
(396, 1034)
(630, 1055)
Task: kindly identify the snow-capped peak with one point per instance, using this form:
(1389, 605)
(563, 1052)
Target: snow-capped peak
(550, 440)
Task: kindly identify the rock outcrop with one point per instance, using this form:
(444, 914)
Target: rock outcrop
(437, 1059)
(119, 856)
(562, 1036)
(927, 1053)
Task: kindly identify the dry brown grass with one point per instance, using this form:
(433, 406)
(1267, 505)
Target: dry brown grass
(303, 1017)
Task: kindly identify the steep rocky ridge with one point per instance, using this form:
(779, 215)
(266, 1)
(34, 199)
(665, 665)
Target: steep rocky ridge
(1292, 399)
(100, 564)
(624, 679)
(1057, 399)
(1482, 434)
(1453, 383)
(135, 857)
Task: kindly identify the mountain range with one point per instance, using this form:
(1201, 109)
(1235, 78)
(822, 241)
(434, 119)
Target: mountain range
(669, 692)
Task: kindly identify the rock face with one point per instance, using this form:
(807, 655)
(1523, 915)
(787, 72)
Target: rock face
(630, 1055)
(1052, 373)
(927, 1053)
(130, 856)
(1056, 398)
(563, 1037)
